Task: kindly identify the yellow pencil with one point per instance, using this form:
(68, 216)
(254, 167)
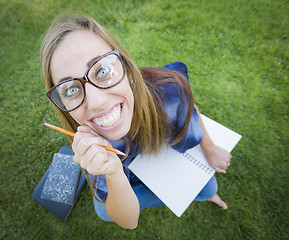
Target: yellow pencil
(72, 134)
(59, 129)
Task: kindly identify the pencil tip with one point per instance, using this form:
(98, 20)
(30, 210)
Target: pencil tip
(121, 153)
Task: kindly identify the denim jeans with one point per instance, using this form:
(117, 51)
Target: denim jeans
(147, 199)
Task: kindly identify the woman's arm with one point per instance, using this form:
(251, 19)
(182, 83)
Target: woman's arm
(121, 204)
(217, 157)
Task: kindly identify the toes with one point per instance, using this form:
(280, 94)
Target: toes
(223, 205)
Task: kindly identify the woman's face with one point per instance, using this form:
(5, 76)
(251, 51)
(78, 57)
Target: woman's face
(108, 112)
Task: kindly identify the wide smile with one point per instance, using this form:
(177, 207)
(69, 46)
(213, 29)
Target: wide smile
(109, 119)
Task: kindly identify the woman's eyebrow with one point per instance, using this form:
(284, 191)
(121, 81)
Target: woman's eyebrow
(63, 79)
(88, 65)
(92, 61)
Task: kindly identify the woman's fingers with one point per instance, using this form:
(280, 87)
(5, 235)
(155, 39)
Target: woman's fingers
(98, 163)
(83, 141)
(224, 164)
(89, 152)
(86, 159)
(84, 128)
(86, 132)
(94, 159)
(220, 170)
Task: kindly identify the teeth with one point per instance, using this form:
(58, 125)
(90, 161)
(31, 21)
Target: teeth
(110, 118)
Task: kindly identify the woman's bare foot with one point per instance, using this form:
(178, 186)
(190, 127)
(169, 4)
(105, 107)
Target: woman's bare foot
(217, 200)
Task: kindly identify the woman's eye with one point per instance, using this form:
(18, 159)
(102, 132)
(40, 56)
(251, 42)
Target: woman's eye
(71, 91)
(103, 72)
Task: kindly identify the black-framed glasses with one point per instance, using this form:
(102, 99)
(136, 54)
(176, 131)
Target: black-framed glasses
(105, 72)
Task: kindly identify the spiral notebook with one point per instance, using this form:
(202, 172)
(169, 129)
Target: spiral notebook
(177, 178)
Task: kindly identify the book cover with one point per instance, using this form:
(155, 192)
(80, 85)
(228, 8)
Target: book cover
(61, 181)
(59, 209)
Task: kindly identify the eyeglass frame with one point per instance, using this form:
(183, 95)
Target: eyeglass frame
(85, 79)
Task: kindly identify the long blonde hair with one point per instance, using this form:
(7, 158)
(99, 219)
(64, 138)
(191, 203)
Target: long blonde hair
(150, 124)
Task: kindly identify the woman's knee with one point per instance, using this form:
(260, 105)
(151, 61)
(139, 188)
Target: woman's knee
(210, 190)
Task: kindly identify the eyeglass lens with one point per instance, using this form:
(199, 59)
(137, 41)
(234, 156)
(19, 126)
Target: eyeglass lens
(105, 73)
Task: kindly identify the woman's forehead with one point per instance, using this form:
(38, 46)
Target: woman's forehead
(75, 53)
(84, 43)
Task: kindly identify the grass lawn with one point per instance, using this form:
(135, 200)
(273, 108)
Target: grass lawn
(237, 53)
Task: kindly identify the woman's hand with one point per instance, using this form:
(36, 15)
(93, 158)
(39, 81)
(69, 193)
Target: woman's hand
(121, 204)
(90, 153)
(218, 158)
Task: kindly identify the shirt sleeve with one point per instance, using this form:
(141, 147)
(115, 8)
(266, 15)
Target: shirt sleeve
(177, 108)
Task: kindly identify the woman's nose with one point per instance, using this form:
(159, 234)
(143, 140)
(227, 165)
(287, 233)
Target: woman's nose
(95, 98)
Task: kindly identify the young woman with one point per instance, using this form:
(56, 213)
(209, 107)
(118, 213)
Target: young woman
(106, 99)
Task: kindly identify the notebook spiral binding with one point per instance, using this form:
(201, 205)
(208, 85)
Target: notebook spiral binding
(204, 167)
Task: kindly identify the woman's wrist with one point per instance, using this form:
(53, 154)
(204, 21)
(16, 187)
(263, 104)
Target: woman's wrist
(207, 145)
(119, 173)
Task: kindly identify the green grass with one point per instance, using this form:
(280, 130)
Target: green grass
(237, 53)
